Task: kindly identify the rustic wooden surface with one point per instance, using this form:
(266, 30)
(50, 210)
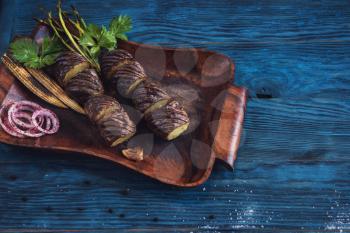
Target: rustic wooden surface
(292, 172)
(186, 161)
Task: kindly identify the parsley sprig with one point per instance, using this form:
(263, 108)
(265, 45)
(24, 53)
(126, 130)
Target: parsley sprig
(33, 55)
(74, 34)
(88, 40)
(120, 25)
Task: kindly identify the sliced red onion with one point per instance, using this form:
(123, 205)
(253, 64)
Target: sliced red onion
(41, 121)
(52, 123)
(48, 123)
(25, 118)
(22, 127)
(24, 104)
(23, 107)
(32, 132)
(5, 124)
(22, 118)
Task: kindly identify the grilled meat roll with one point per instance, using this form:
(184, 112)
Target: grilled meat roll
(67, 65)
(169, 121)
(165, 117)
(128, 77)
(121, 69)
(84, 85)
(148, 96)
(112, 121)
(111, 60)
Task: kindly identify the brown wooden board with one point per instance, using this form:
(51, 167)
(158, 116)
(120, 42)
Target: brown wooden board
(201, 80)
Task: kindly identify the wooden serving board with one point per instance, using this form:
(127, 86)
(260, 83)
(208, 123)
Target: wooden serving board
(200, 79)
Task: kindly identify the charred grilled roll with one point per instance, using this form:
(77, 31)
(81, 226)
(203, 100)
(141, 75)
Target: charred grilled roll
(100, 107)
(165, 117)
(169, 121)
(67, 65)
(84, 85)
(121, 69)
(128, 77)
(112, 121)
(148, 96)
(112, 60)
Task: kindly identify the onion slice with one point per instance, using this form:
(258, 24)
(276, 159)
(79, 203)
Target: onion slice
(32, 132)
(4, 121)
(19, 110)
(25, 118)
(22, 118)
(52, 124)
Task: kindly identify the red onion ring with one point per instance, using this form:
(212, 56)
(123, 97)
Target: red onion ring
(22, 127)
(40, 121)
(27, 103)
(19, 117)
(43, 120)
(4, 121)
(25, 118)
(49, 123)
(33, 132)
(20, 106)
(51, 127)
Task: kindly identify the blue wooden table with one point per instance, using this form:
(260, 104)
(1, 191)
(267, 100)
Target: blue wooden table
(293, 168)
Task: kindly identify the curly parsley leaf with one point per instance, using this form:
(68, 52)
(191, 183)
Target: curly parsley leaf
(50, 46)
(120, 25)
(95, 38)
(32, 55)
(24, 50)
(107, 39)
(86, 40)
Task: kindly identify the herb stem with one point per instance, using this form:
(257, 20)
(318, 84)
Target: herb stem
(78, 17)
(57, 33)
(70, 37)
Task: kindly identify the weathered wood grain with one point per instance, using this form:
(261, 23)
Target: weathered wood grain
(292, 171)
(281, 48)
(282, 181)
(179, 162)
(7, 7)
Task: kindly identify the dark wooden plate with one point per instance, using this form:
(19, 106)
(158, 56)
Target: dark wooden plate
(200, 79)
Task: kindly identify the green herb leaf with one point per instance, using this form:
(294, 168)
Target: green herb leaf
(29, 53)
(49, 59)
(24, 49)
(95, 51)
(93, 30)
(50, 46)
(95, 38)
(86, 40)
(107, 39)
(121, 36)
(34, 63)
(91, 38)
(120, 25)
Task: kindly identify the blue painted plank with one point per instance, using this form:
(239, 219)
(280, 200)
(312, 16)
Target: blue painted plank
(7, 12)
(282, 180)
(292, 172)
(285, 49)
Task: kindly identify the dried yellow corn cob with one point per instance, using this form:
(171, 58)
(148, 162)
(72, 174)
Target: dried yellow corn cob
(55, 89)
(35, 87)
